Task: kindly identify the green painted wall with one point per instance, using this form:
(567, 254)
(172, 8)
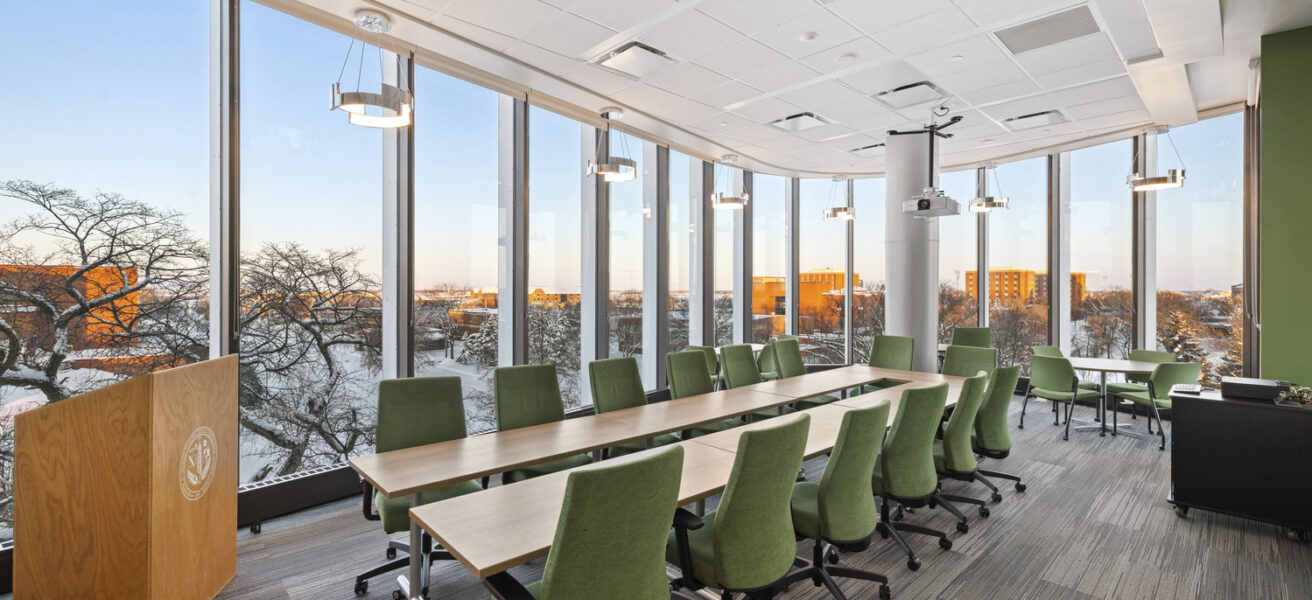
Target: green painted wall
(1286, 221)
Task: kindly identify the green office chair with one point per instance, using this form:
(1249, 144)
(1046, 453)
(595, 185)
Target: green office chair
(789, 355)
(1138, 383)
(1055, 351)
(991, 438)
(712, 362)
(954, 456)
(904, 472)
(1053, 378)
(616, 385)
(840, 510)
(527, 395)
(1158, 397)
(740, 370)
(747, 544)
(687, 375)
(412, 412)
(890, 352)
(967, 361)
(979, 337)
(610, 540)
(769, 366)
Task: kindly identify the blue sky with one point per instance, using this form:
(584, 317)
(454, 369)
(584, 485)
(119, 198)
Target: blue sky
(117, 103)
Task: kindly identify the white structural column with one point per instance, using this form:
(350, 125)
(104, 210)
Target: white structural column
(655, 263)
(1059, 251)
(911, 245)
(742, 261)
(1145, 246)
(701, 270)
(398, 231)
(512, 231)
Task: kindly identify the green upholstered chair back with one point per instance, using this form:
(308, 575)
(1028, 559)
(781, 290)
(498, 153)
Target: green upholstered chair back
(1169, 374)
(526, 395)
(417, 411)
(1052, 373)
(739, 365)
(979, 337)
(687, 374)
(958, 454)
(612, 530)
(908, 457)
(847, 508)
(1154, 356)
(966, 361)
(788, 355)
(767, 360)
(753, 536)
(708, 356)
(785, 336)
(991, 431)
(893, 352)
(1046, 351)
(616, 384)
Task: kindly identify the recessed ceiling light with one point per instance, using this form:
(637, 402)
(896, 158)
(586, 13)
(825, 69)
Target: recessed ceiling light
(635, 59)
(372, 21)
(612, 113)
(847, 57)
(724, 123)
(808, 36)
(956, 58)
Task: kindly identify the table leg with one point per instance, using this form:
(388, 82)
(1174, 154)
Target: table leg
(1102, 406)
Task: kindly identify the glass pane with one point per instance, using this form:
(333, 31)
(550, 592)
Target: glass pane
(1102, 323)
(682, 202)
(957, 305)
(456, 226)
(768, 269)
(70, 152)
(823, 264)
(626, 223)
(1018, 261)
(729, 182)
(310, 286)
(868, 280)
(555, 183)
(1200, 236)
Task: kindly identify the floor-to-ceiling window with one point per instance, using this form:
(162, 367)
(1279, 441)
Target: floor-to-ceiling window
(728, 181)
(1101, 246)
(626, 225)
(456, 237)
(1200, 233)
(311, 264)
(555, 184)
(867, 266)
(958, 305)
(822, 262)
(768, 245)
(1018, 259)
(682, 202)
(84, 182)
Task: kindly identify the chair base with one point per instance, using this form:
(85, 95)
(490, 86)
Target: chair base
(888, 528)
(822, 574)
(393, 548)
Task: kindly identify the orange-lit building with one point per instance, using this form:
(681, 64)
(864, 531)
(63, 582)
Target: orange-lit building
(97, 328)
(1011, 283)
(538, 296)
(819, 300)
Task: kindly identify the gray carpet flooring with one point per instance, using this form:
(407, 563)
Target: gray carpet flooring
(1094, 523)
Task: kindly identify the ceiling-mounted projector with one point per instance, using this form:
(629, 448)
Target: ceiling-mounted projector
(931, 202)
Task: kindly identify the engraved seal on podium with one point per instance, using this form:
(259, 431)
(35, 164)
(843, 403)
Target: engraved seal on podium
(196, 468)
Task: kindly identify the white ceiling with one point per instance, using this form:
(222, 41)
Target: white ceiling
(740, 64)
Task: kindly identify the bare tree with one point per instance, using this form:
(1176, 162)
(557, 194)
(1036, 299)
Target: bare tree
(956, 308)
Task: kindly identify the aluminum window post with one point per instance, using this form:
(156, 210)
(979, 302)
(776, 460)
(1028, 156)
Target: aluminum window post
(398, 231)
(982, 250)
(1059, 251)
(849, 300)
(595, 309)
(792, 252)
(655, 263)
(512, 231)
(701, 271)
(1145, 246)
(225, 175)
(742, 261)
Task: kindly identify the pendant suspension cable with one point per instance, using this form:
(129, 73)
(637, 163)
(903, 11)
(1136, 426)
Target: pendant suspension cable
(346, 60)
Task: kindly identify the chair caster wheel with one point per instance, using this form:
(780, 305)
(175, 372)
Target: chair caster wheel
(361, 588)
(397, 595)
(997, 497)
(1020, 487)
(962, 526)
(945, 543)
(885, 593)
(832, 556)
(391, 553)
(984, 511)
(1181, 511)
(913, 563)
(883, 534)
(1020, 427)
(255, 527)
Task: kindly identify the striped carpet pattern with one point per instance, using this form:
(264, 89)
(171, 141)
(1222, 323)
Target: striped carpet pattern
(1094, 523)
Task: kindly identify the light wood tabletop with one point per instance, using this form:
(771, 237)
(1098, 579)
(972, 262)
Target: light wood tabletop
(660, 418)
(825, 421)
(1112, 365)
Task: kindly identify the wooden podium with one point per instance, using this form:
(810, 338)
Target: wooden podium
(130, 491)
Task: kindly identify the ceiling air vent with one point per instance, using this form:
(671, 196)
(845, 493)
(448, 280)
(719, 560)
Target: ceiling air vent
(911, 94)
(870, 151)
(1049, 30)
(635, 59)
(1039, 119)
(800, 122)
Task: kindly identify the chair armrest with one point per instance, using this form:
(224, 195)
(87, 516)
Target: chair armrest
(505, 587)
(367, 501)
(684, 519)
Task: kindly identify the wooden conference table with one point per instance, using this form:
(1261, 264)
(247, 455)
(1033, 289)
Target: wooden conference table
(1103, 366)
(495, 529)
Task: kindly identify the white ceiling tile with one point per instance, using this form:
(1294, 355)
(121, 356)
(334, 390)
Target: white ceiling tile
(876, 15)
(825, 132)
(998, 93)
(1102, 90)
(782, 75)
(682, 110)
(720, 122)
(1122, 13)
(883, 77)
(1016, 108)
(981, 77)
(766, 110)
(685, 79)
(515, 18)
(808, 34)
(542, 58)
(1104, 107)
(845, 56)
(619, 15)
(743, 55)
(643, 96)
(924, 32)
(851, 110)
(1065, 55)
(974, 52)
(761, 15)
(476, 34)
(726, 94)
(784, 143)
(877, 122)
(1081, 74)
(992, 14)
(597, 79)
(1136, 40)
(570, 35)
(820, 93)
(690, 36)
(755, 133)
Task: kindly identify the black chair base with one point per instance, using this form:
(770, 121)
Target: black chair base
(822, 574)
(393, 548)
(888, 528)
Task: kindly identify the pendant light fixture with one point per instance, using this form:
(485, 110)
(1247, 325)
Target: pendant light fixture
(613, 169)
(389, 98)
(722, 199)
(985, 204)
(835, 210)
(1173, 178)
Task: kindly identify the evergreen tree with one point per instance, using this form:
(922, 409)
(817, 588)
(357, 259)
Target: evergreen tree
(1180, 338)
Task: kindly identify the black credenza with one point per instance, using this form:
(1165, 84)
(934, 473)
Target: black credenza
(1244, 458)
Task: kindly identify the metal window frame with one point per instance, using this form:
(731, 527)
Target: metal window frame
(594, 312)
(742, 260)
(655, 263)
(1144, 263)
(398, 231)
(512, 238)
(1059, 251)
(981, 251)
(792, 254)
(225, 174)
(849, 266)
(701, 272)
(1252, 342)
